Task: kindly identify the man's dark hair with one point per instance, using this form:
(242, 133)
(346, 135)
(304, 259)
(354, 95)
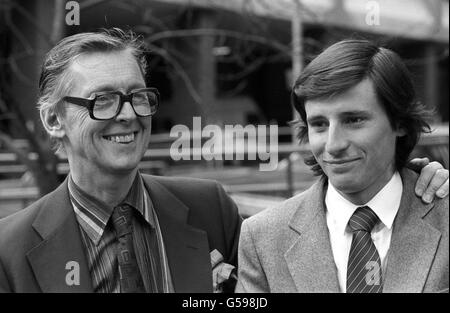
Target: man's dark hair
(345, 64)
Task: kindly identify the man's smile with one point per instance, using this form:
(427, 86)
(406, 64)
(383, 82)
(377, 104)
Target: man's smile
(340, 161)
(123, 138)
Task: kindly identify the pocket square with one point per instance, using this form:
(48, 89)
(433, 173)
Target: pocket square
(222, 272)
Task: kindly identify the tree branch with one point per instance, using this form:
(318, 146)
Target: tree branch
(217, 32)
(58, 21)
(32, 20)
(179, 70)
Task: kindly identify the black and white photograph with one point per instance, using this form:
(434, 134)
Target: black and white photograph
(227, 151)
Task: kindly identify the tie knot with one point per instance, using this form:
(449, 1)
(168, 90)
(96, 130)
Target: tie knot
(363, 219)
(121, 219)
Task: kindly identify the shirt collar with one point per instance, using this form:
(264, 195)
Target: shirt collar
(385, 204)
(93, 214)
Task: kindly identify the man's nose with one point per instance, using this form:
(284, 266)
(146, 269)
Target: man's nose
(337, 140)
(126, 113)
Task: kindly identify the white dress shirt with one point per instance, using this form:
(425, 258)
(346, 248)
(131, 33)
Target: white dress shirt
(339, 210)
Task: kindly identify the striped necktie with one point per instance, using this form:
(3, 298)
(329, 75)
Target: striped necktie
(129, 274)
(364, 264)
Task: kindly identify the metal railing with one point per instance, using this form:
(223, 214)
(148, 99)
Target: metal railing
(159, 159)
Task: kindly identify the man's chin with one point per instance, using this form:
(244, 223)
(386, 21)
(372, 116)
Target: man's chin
(121, 167)
(346, 184)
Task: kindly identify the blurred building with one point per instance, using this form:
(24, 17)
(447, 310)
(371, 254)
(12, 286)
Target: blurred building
(230, 61)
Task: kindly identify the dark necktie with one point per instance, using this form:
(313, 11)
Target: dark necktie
(364, 264)
(129, 275)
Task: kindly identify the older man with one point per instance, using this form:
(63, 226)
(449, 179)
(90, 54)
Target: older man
(361, 227)
(108, 228)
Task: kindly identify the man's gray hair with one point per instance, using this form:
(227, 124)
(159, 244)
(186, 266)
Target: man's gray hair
(55, 82)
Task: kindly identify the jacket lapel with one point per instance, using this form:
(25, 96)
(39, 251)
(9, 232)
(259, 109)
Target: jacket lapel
(187, 247)
(413, 245)
(58, 262)
(309, 258)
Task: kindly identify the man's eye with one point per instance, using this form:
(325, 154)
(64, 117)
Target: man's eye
(105, 99)
(354, 120)
(318, 125)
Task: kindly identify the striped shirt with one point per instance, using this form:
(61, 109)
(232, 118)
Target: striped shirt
(100, 243)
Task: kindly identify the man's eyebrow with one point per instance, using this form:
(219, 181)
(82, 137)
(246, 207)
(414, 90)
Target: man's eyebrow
(109, 87)
(315, 117)
(312, 118)
(356, 113)
(105, 87)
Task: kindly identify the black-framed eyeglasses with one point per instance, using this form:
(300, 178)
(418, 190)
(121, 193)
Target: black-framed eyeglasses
(107, 105)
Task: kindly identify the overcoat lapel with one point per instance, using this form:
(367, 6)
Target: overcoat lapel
(310, 258)
(414, 243)
(187, 247)
(58, 261)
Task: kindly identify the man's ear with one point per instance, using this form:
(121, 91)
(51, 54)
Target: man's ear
(52, 123)
(401, 131)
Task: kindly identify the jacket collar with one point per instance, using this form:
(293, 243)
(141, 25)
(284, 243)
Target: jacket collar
(187, 247)
(413, 245)
(414, 242)
(309, 258)
(58, 261)
(61, 248)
